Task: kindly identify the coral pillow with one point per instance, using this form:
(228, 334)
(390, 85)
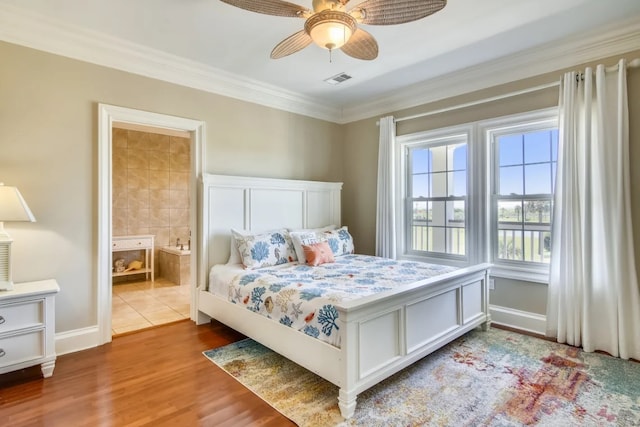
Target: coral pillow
(318, 253)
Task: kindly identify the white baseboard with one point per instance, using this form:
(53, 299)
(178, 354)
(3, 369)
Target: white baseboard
(518, 319)
(76, 340)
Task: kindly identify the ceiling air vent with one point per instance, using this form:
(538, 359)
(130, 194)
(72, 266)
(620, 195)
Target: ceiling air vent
(338, 78)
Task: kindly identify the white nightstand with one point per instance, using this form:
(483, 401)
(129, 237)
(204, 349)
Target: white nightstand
(27, 326)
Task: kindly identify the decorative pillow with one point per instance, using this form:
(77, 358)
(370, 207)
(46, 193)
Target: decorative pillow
(318, 253)
(234, 255)
(264, 250)
(340, 241)
(300, 238)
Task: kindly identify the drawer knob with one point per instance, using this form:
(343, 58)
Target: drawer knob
(2, 320)
(2, 352)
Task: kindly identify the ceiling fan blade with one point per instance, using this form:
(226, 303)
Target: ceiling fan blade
(270, 7)
(390, 12)
(361, 45)
(291, 44)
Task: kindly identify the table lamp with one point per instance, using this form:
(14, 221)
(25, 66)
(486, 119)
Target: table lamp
(12, 208)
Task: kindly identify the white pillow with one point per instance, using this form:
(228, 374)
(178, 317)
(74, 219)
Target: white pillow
(319, 229)
(234, 255)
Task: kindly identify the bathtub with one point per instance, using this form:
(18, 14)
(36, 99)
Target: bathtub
(174, 265)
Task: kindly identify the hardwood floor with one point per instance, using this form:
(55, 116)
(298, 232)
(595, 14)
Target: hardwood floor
(156, 377)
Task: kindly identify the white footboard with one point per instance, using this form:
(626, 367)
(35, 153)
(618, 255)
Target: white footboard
(380, 336)
(388, 335)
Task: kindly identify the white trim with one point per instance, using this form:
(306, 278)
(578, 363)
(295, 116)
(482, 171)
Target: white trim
(107, 115)
(51, 35)
(522, 274)
(39, 32)
(77, 340)
(609, 41)
(518, 319)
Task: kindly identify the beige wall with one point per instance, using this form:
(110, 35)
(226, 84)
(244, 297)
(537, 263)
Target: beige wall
(48, 141)
(48, 137)
(361, 153)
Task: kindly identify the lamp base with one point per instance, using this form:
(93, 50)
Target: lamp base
(6, 285)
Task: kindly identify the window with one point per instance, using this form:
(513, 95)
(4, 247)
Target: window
(524, 157)
(481, 192)
(436, 202)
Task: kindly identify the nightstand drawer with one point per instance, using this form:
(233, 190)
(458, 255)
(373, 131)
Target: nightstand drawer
(130, 244)
(21, 315)
(21, 348)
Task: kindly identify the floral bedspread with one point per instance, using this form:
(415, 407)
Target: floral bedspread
(304, 297)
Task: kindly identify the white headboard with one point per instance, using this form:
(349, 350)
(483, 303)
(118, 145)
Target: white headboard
(259, 204)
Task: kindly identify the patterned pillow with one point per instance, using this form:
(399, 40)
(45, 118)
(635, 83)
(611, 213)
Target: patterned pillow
(265, 250)
(340, 241)
(318, 253)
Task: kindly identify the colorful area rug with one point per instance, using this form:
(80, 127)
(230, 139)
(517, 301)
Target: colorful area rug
(495, 378)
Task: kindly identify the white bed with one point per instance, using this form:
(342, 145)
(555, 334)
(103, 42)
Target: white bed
(380, 334)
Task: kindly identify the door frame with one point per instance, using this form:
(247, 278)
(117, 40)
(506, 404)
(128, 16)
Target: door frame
(107, 115)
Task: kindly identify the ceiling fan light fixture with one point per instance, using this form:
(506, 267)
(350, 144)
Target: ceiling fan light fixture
(330, 29)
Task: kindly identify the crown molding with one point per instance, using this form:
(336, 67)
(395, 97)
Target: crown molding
(36, 31)
(610, 41)
(24, 28)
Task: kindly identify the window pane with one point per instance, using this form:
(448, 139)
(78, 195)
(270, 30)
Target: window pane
(538, 212)
(420, 237)
(439, 184)
(459, 213)
(511, 180)
(538, 179)
(437, 213)
(554, 171)
(537, 147)
(459, 154)
(554, 145)
(439, 159)
(456, 234)
(510, 148)
(420, 186)
(458, 183)
(421, 160)
(438, 242)
(509, 211)
(419, 212)
(510, 244)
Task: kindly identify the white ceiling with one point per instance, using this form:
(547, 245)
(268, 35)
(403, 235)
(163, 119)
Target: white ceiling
(218, 41)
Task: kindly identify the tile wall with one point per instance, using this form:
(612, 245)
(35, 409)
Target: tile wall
(151, 193)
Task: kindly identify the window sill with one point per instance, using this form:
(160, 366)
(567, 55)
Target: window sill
(526, 275)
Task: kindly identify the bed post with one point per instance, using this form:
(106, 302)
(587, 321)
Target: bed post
(349, 353)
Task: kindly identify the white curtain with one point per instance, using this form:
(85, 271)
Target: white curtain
(593, 298)
(385, 212)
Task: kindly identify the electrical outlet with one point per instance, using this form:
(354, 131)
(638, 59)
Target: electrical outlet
(492, 284)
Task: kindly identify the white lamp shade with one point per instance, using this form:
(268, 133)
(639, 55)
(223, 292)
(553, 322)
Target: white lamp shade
(331, 34)
(12, 205)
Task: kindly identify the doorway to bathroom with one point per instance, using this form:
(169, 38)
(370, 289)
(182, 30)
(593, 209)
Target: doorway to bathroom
(133, 138)
(151, 229)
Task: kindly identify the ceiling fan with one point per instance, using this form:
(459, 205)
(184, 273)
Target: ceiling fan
(331, 26)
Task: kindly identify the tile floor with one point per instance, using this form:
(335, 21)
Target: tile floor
(139, 305)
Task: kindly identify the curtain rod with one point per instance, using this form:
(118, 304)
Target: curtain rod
(480, 101)
(635, 63)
